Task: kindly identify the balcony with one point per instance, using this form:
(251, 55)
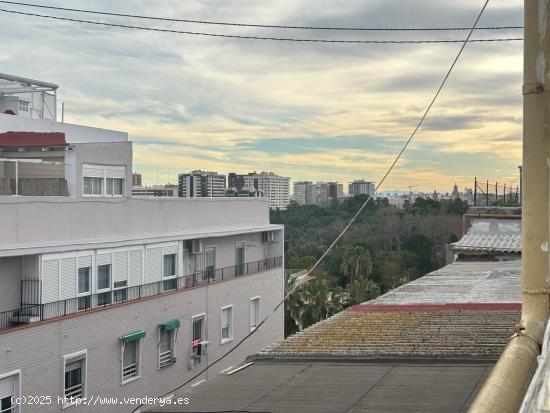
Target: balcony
(30, 312)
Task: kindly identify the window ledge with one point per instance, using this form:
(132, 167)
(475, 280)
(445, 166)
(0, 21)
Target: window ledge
(227, 340)
(131, 379)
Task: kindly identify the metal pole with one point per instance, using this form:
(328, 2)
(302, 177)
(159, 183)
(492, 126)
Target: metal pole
(16, 177)
(475, 191)
(505, 387)
(496, 193)
(487, 194)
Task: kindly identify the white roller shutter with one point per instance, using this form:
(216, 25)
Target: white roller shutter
(135, 268)
(7, 386)
(120, 267)
(115, 172)
(50, 281)
(85, 261)
(172, 249)
(154, 261)
(103, 259)
(95, 171)
(68, 278)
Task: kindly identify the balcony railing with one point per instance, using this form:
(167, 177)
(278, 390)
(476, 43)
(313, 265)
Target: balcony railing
(38, 312)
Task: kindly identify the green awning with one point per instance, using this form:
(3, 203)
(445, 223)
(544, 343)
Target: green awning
(170, 325)
(133, 336)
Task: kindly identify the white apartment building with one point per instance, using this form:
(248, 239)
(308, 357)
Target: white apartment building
(107, 295)
(198, 184)
(303, 193)
(267, 184)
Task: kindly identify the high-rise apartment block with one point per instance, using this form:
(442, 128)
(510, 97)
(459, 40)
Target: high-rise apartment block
(359, 187)
(267, 184)
(201, 184)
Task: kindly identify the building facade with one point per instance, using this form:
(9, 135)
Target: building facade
(155, 190)
(360, 187)
(103, 295)
(201, 184)
(303, 193)
(267, 184)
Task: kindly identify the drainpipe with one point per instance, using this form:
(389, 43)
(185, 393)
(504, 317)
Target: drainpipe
(506, 386)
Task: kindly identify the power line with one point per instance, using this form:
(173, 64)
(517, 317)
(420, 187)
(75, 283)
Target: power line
(268, 26)
(352, 220)
(234, 36)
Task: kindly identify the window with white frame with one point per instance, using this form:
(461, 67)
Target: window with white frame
(131, 360)
(227, 324)
(167, 341)
(120, 291)
(10, 391)
(74, 377)
(93, 186)
(84, 287)
(210, 261)
(115, 187)
(240, 258)
(254, 313)
(169, 270)
(103, 180)
(103, 283)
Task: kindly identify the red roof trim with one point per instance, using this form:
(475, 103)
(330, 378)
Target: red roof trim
(32, 139)
(416, 308)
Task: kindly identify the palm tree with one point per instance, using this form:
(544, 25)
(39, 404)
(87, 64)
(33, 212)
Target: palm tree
(356, 263)
(362, 290)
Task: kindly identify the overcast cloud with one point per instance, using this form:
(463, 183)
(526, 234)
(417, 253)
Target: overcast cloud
(309, 111)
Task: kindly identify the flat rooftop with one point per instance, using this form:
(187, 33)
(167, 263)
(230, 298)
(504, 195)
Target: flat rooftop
(319, 386)
(461, 282)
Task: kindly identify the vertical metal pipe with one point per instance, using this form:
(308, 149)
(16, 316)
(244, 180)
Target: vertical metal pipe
(475, 191)
(505, 388)
(487, 194)
(16, 177)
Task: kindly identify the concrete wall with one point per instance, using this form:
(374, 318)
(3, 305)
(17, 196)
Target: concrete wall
(46, 221)
(38, 350)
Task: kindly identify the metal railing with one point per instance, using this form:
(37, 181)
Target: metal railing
(38, 312)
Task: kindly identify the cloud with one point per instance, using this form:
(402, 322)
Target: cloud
(309, 111)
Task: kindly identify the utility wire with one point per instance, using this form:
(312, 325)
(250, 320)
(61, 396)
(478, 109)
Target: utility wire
(268, 26)
(307, 278)
(234, 36)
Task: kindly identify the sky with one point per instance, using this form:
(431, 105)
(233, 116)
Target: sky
(310, 111)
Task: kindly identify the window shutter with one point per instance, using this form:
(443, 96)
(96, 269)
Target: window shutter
(7, 387)
(50, 281)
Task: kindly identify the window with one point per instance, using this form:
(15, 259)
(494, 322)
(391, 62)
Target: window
(239, 259)
(74, 377)
(103, 180)
(198, 338)
(210, 261)
(227, 324)
(166, 347)
(169, 269)
(93, 186)
(104, 276)
(131, 360)
(23, 107)
(120, 292)
(115, 187)
(9, 392)
(83, 285)
(254, 313)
